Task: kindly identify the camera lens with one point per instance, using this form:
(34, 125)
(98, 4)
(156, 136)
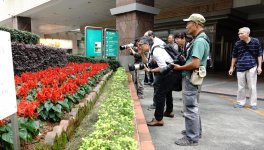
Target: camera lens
(131, 67)
(122, 47)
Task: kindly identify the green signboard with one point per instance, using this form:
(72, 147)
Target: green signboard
(93, 41)
(111, 43)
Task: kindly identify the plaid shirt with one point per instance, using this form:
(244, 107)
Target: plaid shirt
(246, 54)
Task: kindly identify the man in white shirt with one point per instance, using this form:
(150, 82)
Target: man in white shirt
(163, 82)
(156, 41)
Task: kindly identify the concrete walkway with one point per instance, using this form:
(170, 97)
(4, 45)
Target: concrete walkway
(222, 83)
(224, 127)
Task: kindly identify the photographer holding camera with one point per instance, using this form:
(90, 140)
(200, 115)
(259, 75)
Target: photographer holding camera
(164, 82)
(153, 65)
(137, 67)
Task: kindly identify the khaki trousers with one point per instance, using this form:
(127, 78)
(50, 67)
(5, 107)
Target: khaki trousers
(247, 79)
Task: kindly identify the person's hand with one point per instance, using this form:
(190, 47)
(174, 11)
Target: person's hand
(259, 70)
(147, 69)
(231, 70)
(140, 51)
(176, 66)
(131, 50)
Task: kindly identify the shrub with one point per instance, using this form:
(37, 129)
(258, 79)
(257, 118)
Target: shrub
(114, 128)
(114, 64)
(21, 36)
(32, 58)
(28, 128)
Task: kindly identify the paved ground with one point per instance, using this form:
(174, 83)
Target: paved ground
(221, 83)
(224, 127)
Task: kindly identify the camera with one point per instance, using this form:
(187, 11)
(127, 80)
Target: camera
(170, 66)
(153, 65)
(126, 46)
(133, 67)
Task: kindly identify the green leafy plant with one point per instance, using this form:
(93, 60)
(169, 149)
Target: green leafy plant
(114, 128)
(51, 111)
(21, 36)
(28, 128)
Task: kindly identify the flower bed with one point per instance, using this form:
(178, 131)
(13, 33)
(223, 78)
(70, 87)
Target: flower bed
(114, 128)
(47, 95)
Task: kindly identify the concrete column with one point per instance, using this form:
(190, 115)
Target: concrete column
(133, 19)
(22, 23)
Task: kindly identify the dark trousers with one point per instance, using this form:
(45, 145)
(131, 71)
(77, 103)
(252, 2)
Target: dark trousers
(164, 85)
(149, 77)
(169, 99)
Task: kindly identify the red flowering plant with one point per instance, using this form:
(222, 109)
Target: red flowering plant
(49, 93)
(57, 89)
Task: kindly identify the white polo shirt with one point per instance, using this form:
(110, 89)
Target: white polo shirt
(159, 54)
(161, 57)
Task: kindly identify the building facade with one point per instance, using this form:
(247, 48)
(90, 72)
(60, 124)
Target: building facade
(58, 18)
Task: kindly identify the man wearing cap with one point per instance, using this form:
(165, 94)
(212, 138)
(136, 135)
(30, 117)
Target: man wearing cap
(196, 57)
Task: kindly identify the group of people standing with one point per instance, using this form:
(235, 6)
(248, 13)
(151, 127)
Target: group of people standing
(247, 55)
(196, 51)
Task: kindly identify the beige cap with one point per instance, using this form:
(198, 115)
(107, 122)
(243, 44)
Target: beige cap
(198, 18)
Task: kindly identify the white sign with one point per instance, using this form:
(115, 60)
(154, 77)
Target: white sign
(8, 105)
(67, 44)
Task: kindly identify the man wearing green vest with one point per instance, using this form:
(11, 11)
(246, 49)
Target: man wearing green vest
(197, 54)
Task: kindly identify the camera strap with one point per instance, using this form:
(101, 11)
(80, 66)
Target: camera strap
(189, 47)
(151, 53)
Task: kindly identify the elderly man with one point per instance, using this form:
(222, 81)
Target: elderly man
(247, 55)
(163, 82)
(171, 42)
(197, 55)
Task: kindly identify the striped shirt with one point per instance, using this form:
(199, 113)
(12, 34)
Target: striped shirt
(246, 54)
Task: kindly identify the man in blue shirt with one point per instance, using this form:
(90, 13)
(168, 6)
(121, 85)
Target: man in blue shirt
(247, 56)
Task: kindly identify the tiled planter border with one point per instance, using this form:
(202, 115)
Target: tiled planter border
(142, 134)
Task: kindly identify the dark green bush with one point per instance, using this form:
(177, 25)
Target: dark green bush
(21, 36)
(27, 57)
(114, 64)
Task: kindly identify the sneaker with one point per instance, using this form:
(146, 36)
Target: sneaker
(185, 142)
(254, 107)
(152, 107)
(183, 132)
(238, 106)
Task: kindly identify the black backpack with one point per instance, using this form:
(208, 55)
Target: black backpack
(177, 57)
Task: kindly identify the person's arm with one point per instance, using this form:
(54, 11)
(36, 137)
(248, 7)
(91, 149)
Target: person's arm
(234, 59)
(190, 66)
(155, 70)
(259, 69)
(144, 58)
(232, 67)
